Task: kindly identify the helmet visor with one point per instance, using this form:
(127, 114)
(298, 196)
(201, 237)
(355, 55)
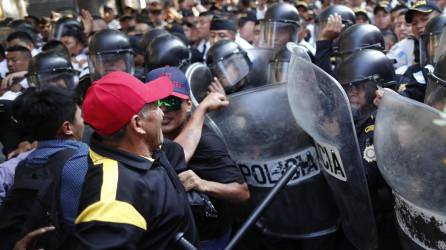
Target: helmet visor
(441, 48)
(231, 70)
(435, 92)
(65, 79)
(102, 64)
(277, 71)
(428, 47)
(277, 34)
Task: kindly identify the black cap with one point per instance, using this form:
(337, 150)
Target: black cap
(423, 6)
(382, 6)
(222, 24)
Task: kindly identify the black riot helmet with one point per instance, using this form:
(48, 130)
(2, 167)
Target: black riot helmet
(360, 74)
(347, 15)
(279, 26)
(150, 35)
(436, 85)
(430, 40)
(229, 63)
(25, 26)
(109, 50)
(166, 50)
(21, 24)
(366, 65)
(65, 24)
(359, 37)
(51, 68)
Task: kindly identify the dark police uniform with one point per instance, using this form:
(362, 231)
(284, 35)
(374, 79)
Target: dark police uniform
(212, 162)
(324, 53)
(380, 192)
(413, 82)
(132, 202)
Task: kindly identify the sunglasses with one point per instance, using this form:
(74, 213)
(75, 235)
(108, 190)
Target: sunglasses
(170, 103)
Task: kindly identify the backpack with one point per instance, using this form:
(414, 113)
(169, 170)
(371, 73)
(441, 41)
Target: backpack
(34, 202)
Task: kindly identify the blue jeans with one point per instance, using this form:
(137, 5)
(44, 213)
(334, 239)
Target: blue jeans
(216, 243)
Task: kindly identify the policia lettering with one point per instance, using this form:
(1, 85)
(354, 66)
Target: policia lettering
(266, 174)
(330, 160)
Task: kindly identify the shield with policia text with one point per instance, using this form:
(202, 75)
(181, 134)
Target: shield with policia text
(321, 108)
(410, 146)
(264, 140)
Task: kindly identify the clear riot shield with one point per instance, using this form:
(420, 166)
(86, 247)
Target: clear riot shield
(260, 58)
(263, 138)
(199, 77)
(320, 106)
(410, 147)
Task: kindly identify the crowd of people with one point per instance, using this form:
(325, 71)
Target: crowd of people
(105, 134)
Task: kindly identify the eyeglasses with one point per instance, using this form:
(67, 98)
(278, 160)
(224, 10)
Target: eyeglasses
(170, 103)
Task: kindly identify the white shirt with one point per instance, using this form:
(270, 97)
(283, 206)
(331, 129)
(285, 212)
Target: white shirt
(402, 52)
(9, 95)
(242, 42)
(3, 68)
(203, 47)
(114, 25)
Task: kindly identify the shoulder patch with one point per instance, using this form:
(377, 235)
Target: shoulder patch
(402, 87)
(369, 128)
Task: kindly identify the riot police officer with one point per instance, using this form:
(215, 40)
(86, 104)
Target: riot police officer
(229, 63)
(166, 50)
(109, 50)
(360, 75)
(279, 26)
(412, 83)
(347, 16)
(65, 24)
(50, 68)
(331, 22)
(436, 86)
(358, 37)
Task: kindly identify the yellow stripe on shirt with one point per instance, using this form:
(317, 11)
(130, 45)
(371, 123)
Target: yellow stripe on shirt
(110, 175)
(113, 211)
(108, 209)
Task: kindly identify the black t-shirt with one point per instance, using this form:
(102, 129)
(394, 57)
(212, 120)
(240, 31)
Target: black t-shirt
(211, 162)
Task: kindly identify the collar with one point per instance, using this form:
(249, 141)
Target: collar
(129, 159)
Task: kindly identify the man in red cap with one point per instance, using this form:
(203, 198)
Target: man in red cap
(131, 198)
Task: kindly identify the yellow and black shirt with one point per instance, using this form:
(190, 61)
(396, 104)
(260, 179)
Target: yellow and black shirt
(130, 202)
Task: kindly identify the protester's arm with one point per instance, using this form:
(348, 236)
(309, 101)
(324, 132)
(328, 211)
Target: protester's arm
(324, 46)
(233, 191)
(191, 133)
(26, 242)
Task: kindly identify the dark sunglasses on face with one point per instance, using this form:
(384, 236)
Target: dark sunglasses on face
(170, 103)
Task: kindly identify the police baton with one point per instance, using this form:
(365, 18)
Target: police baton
(262, 206)
(185, 244)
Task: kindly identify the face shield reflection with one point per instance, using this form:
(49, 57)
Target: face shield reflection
(277, 71)
(428, 48)
(230, 71)
(277, 34)
(65, 79)
(102, 64)
(441, 49)
(361, 96)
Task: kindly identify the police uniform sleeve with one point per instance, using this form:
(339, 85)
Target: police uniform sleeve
(324, 51)
(212, 162)
(104, 222)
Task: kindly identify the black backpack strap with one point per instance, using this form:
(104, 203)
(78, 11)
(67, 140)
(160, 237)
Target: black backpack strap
(45, 208)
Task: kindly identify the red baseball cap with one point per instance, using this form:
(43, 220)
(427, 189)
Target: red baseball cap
(112, 100)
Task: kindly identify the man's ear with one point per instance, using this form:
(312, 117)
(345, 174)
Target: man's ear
(136, 123)
(66, 129)
(189, 105)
